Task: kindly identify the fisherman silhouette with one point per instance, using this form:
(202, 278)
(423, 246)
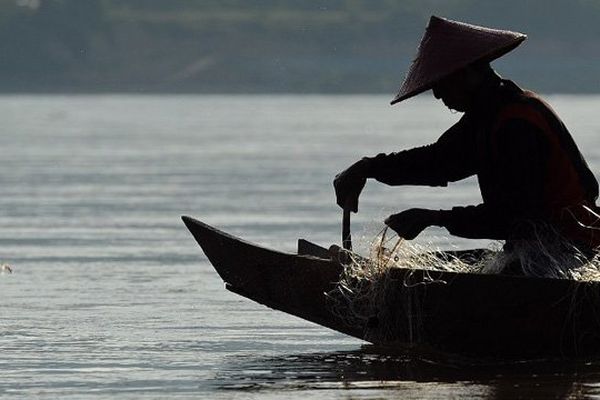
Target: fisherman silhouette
(529, 169)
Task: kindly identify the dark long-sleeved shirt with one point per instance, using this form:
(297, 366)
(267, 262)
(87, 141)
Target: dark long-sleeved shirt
(527, 164)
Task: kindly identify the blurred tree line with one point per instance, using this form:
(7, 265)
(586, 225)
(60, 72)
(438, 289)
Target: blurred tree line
(217, 46)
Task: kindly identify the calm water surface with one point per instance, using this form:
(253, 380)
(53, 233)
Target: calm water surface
(112, 298)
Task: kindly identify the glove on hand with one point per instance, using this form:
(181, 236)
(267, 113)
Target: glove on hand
(410, 223)
(349, 183)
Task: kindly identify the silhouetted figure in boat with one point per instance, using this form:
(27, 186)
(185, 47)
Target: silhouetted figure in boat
(529, 169)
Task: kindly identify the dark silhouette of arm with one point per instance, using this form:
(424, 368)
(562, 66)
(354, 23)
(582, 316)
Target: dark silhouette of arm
(450, 159)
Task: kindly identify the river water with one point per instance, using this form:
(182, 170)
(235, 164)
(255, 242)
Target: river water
(112, 298)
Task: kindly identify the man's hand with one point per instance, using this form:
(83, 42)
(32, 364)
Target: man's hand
(408, 224)
(349, 183)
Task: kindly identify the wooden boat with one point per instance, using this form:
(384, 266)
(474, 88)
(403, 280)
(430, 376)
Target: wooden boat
(476, 315)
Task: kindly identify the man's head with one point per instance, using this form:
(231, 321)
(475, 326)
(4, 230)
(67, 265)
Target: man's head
(448, 59)
(459, 90)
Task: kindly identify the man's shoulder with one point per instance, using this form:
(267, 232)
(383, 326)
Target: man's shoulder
(523, 106)
(516, 98)
(513, 94)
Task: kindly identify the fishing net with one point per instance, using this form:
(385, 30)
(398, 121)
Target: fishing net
(544, 254)
(369, 285)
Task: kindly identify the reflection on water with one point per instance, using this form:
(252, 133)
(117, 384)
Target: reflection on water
(379, 371)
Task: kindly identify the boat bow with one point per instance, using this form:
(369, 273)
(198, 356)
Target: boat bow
(292, 283)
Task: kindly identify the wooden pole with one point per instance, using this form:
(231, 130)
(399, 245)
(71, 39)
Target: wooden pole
(346, 236)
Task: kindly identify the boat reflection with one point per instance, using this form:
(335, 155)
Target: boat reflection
(374, 371)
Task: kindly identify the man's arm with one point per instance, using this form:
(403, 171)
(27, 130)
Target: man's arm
(518, 181)
(473, 222)
(450, 159)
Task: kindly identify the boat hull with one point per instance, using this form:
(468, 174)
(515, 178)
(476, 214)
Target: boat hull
(495, 316)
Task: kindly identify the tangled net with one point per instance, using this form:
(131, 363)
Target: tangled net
(368, 284)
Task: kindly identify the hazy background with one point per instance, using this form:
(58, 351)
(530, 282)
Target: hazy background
(275, 46)
(112, 298)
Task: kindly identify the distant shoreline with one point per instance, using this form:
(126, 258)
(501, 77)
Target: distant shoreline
(274, 47)
(60, 92)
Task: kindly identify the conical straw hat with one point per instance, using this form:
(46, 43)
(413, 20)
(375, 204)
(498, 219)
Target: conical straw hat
(448, 46)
